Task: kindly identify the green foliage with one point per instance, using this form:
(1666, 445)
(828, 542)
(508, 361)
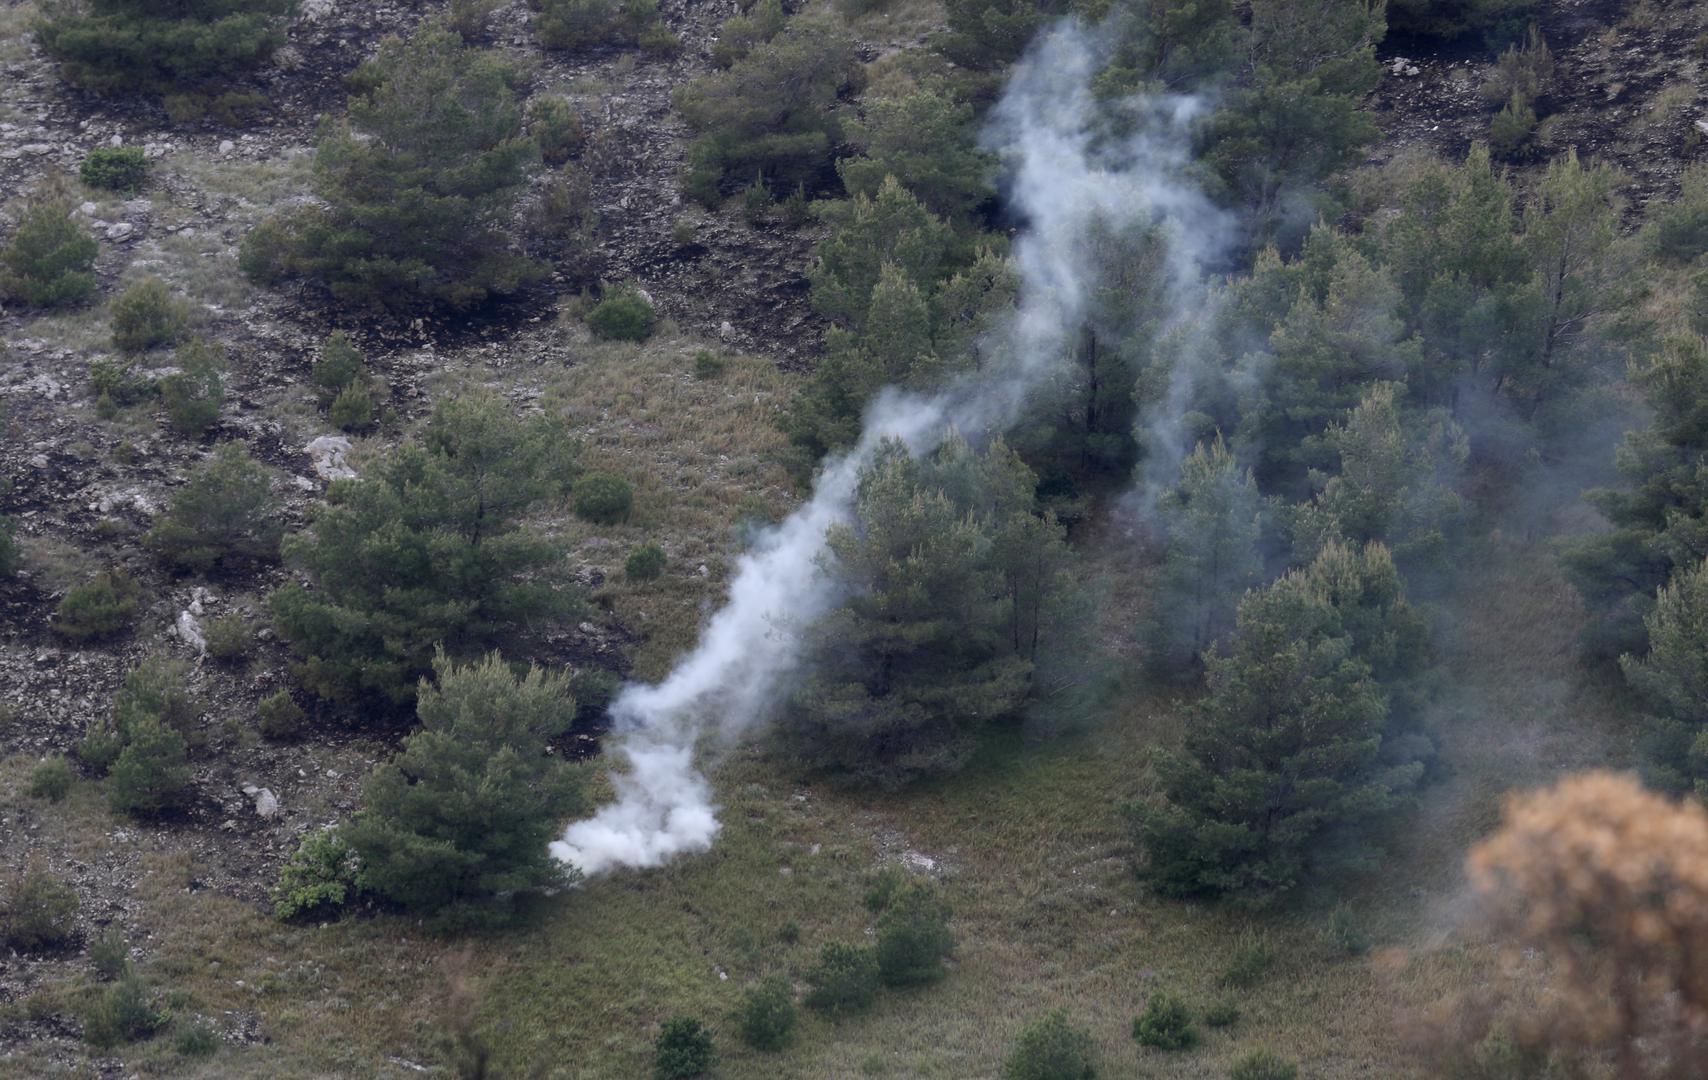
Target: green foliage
(99, 609)
(280, 717)
(579, 24)
(114, 168)
(684, 1050)
(192, 395)
(352, 409)
(923, 139)
(556, 128)
(1344, 931)
(471, 18)
(121, 46)
(9, 558)
(708, 364)
(461, 817)
(1672, 679)
(229, 638)
(51, 780)
(145, 316)
(196, 1039)
(38, 911)
(740, 34)
(122, 1013)
(770, 114)
(153, 690)
(913, 936)
(224, 513)
(1393, 484)
(1253, 959)
(645, 562)
(1285, 752)
(1678, 231)
(109, 954)
(622, 314)
(420, 184)
(1298, 119)
(1454, 18)
(1511, 128)
(1524, 71)
(1659, 516)
(428, 548)
(1262, 1065)
(767, 1014)
(954, 591)
(844, 980)
(988, 35)
(152, 773)
(889, 229)
(319, 879)
(1052, 1048)
(1210, 521)
(604, 498)
(50, 260)
(1222, 1013)
(1177, 44)
(340, 364)
(1166, 1023)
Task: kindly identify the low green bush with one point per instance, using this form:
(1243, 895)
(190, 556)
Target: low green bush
(845, 979)
(192, 396)
(340, 364)
(109, 954)
(767, 1014)
(122, 1013)
(353, 409)
(913, 936)
(1165, 1024)
(229, 638)
(1263, 1065)
(602, 498)
(556, 128)
(319, 879)
(50, 260)
(708, 365)
(1052, 1048)
(38, 911)
(1222, 1013)
(114, 168)
(100, 608)
(146, 316)
(684, 1050)
(1252, 959)
(152, 773)
(280, 717)
(624, 314)
(645, 562)
(52, 780)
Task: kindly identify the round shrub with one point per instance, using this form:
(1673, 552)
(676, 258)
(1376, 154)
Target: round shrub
(767, 1015)
(320, 877)
(114, 168)
(1263, 1065)
(228, 638)
(123, 1013)
(556, 128)
(52, 780)
(603, 498)
(109, 954)
(913, 936)
(192, 396)
(340, 364)
(708, 364)
(100, 608)
(280, 717)
(1221, 1014)
(684, 1050)
(1051, 1048)
(645, 562)
(152, 773)
(146, 316)
(50, 260)
(625, 314)
(845, 979)
(1165, 1024)
(37, 911)
(353, 408)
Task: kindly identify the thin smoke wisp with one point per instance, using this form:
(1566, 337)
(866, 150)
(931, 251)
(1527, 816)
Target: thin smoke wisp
(1068, 177)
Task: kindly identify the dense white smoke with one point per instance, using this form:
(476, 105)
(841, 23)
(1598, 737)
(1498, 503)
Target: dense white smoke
(1069, 176)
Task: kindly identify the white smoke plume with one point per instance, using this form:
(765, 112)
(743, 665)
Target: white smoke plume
(1068, 176)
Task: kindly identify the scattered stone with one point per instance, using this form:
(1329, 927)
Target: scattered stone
(120, 231)
(226, 146)
(266, 804)
(189, 628)
(36, 149)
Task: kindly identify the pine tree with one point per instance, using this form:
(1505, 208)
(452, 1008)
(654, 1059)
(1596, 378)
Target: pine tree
(420, 184)
(924, 140)
(224, 512)
(950, 603)
(50, 260)
(429, 550)
(461, 817)
(1672, 678)
(1392, 482)
(1659, 516)
(1281, 770)
(161, 46)
(891, 228)
(1210, 523)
